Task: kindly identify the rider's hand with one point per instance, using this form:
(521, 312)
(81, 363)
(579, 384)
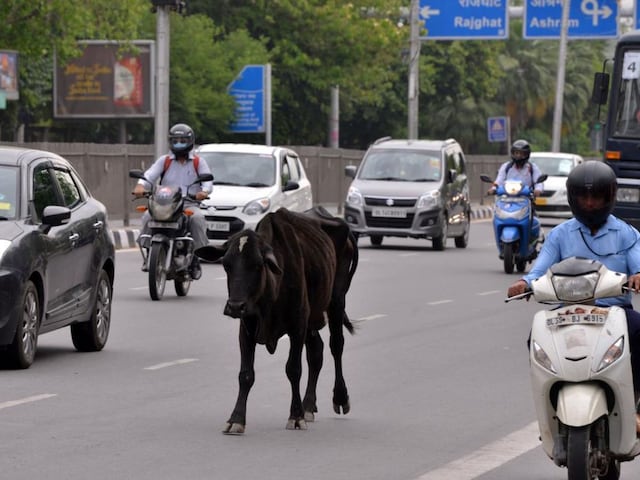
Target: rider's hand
(537, 193)
(202, 195)
(139, 190)
(517, 288)
(633, 282)
(491, 191)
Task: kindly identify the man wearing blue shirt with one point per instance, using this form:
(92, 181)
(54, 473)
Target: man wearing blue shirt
(595, 233)
(519, 168)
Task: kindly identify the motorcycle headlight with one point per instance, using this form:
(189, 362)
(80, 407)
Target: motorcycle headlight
(354, 197)
(429, 200)
(613, 353)
(162, 212)
(542, 358)
(257, 207)
(518, 214)
(575, 289)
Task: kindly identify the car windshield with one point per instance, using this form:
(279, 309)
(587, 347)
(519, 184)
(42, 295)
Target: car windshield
(554, 166)
(402, 166)
(8, 192)
(241, 169)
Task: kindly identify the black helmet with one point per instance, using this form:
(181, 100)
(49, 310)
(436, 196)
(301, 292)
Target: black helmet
(181, 138)
(598, 180)
(520, 152)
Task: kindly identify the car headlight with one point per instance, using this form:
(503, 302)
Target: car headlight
(429, 200)
(4, 245)
(354, 197)
(257, 207)
(542, 358)
(561, 194)
(613, 353)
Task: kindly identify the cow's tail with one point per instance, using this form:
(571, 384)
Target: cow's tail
(354, 259)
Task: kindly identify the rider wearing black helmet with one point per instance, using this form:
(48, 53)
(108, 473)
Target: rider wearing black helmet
(519, 168)
(597, 234)
(180, 167)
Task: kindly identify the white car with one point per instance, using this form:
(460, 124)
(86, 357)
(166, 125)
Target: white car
(249, 182)
(553, 202)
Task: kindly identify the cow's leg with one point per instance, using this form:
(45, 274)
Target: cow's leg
(315, 352)
(294, 372)
(336, 344)
(246, 377)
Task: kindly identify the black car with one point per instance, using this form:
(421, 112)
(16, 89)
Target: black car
(57, 256)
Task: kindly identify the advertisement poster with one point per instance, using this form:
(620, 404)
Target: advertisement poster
(106, 82)
(9, 74)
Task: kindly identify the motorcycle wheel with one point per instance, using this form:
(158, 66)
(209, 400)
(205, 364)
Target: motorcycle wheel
(182, 286)
(507, 250)
(157, 271)
(579, 453)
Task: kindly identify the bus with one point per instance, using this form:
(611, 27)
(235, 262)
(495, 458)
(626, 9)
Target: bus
(620, 92)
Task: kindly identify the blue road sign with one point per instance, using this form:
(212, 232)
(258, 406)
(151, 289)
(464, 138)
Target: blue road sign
(249, 91)
(464, 19)
(587, 19)
(498, 129)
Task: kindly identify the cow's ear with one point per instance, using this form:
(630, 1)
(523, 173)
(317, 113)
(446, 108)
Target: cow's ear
(210, 253)
(272, 263)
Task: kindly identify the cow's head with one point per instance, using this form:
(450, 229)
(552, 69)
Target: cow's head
(252, 271)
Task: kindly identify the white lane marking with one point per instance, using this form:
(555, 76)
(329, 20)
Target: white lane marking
(439, 302)
(171, 364)
(413, 254)
(489, 457)
(22, 401)
(372, 317)
(490, 292)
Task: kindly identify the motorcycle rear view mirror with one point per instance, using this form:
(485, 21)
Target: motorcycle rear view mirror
(136, 174)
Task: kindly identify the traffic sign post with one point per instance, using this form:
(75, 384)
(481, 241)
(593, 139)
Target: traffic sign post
(464, 20)
(587, 19)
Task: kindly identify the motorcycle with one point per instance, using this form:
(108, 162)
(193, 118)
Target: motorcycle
(167, 250)
(517, 230)
(580, 367)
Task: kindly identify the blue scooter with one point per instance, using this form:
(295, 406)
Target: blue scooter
(516, 228)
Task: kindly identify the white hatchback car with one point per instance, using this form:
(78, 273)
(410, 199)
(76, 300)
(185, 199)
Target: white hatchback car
(249, 182)
(553, 202)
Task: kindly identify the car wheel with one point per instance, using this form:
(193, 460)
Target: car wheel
(22, 351)
(376, 240)
(463, 240)
(440, 243)
(91, 336)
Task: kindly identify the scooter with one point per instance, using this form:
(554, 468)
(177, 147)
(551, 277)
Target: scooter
(581, 372)
(168, 250)
(517, 230)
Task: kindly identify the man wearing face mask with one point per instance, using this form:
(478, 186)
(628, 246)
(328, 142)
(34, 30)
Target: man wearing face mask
(180, 167)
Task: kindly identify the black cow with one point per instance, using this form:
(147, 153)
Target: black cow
(283, 279)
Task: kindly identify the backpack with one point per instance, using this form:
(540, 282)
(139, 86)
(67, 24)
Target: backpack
(511, 165)
(167, 163)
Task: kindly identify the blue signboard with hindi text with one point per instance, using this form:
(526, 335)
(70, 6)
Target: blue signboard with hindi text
(587, 19)
(464, 19)
(249, 91)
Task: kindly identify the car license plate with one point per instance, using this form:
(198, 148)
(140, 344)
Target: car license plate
(626, 194)
(218, 226)
(154, 224)
(389, 212)
(577, 318)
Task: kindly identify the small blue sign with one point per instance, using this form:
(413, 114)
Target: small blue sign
(497, 129)
(249, 91)
(587, 19)
(464, 19)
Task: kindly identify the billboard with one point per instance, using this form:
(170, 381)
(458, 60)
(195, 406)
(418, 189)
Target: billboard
(9, 74)
(106, 81)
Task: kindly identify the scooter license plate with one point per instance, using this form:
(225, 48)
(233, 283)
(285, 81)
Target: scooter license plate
(154, 224)
(577, 318)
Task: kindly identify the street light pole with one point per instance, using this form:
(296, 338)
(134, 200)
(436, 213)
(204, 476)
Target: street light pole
(562, 60)
(414, 63)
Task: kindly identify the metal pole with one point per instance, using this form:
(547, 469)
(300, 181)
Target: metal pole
(414, 63)
(334, 118)
(162, 80)
(562, 59)
(267, 107)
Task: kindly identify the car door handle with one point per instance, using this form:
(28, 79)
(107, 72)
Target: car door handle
(74, 238)
(98, 225)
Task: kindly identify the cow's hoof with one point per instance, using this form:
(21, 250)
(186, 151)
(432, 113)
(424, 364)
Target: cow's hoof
(309, 417)
(296, 424)
(233, 429)
(346, 407)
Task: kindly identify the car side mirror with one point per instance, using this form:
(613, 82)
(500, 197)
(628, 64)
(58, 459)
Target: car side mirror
(290, 185)
(55, 215)
(350, 171)
(600, 91)
(451, 175)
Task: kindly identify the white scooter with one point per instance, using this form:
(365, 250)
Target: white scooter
(581, 371)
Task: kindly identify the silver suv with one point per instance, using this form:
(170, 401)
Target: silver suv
(410, 188)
